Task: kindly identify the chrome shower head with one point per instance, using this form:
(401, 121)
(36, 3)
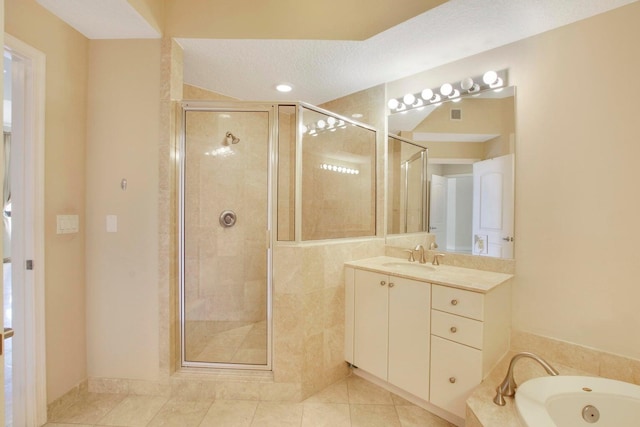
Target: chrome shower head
(231, 138)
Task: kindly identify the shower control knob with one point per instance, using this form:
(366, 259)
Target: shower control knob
(228, 219)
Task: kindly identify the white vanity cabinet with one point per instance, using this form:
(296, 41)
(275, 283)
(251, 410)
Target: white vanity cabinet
(391, 334)
(434, 333)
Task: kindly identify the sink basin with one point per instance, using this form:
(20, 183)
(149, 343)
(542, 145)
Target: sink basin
(406, 266)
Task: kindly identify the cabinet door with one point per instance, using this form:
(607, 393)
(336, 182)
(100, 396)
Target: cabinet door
(371, 322)
(409, 311)
(455, 370)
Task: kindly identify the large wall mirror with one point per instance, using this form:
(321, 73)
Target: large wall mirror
(469, 189)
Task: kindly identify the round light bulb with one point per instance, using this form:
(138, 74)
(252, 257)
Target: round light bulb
(393, 103)
(321, 124)
(331, 121)
(467, 83)
(490, 77)
(446, 89)
(409, 99)
(427, 94)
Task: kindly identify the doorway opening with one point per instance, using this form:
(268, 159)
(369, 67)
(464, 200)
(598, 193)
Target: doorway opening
(23, 217)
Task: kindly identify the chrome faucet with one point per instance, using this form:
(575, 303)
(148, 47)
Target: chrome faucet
(423, 258)
(508, 386)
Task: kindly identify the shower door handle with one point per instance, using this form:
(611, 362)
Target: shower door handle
(8, 333)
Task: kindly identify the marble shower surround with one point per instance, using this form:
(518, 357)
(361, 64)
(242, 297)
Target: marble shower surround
(308, 332)
(226, 267)
(307, 275)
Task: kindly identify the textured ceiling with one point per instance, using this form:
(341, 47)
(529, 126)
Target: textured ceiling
(322, 70)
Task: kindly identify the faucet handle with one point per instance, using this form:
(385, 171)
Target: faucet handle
(436, 259)
(411, 258)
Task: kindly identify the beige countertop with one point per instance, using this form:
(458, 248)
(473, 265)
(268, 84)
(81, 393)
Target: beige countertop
(457, 277)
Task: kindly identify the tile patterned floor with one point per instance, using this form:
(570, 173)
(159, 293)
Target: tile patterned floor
(353, 402)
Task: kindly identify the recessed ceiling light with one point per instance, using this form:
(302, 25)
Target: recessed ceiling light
(284, 87)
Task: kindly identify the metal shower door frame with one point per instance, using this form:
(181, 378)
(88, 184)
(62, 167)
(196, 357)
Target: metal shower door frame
(236, 107)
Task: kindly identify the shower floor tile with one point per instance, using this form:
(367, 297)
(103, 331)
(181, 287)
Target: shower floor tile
(226, 342)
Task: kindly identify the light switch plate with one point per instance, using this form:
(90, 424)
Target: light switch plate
(112, 223)
(67, 224)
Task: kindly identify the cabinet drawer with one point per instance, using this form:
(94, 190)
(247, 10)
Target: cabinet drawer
(455, 370)
(457, 328)
(458, 301)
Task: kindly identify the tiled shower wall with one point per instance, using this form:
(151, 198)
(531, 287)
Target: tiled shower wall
(308, 307)
(226, 270)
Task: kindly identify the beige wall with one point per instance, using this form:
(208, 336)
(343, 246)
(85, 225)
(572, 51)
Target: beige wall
(65, 132)
(479, 116)
(576, 153)
(122, 268)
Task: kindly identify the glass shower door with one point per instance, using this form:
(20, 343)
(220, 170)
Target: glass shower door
(224, 230)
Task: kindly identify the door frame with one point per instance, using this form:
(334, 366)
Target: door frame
(31, 369)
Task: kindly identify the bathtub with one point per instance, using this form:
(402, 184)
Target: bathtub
(568, 401)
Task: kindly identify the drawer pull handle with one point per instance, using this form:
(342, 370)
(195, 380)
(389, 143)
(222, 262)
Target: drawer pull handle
(453, 329)
(454, 302)
(452, 380)
(391, 285)
(382, 283)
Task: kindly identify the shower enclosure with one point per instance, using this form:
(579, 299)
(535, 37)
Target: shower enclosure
(241, 176)
(224, 221)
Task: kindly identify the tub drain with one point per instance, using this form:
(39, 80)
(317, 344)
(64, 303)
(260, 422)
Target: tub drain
(590, 414)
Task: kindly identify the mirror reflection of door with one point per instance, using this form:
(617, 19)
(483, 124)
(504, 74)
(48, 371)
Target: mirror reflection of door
(438, 203)
(415, 194)
(493, 207)
(451, 211)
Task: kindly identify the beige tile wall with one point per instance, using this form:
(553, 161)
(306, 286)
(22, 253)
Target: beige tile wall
(308, 320)
(226, 268)
(334, 204)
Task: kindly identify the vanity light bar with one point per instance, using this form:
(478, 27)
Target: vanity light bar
(491, 80)
(331, 124)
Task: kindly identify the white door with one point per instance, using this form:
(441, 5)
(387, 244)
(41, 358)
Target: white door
(27, 234)
(438, 209)
(493, 226)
